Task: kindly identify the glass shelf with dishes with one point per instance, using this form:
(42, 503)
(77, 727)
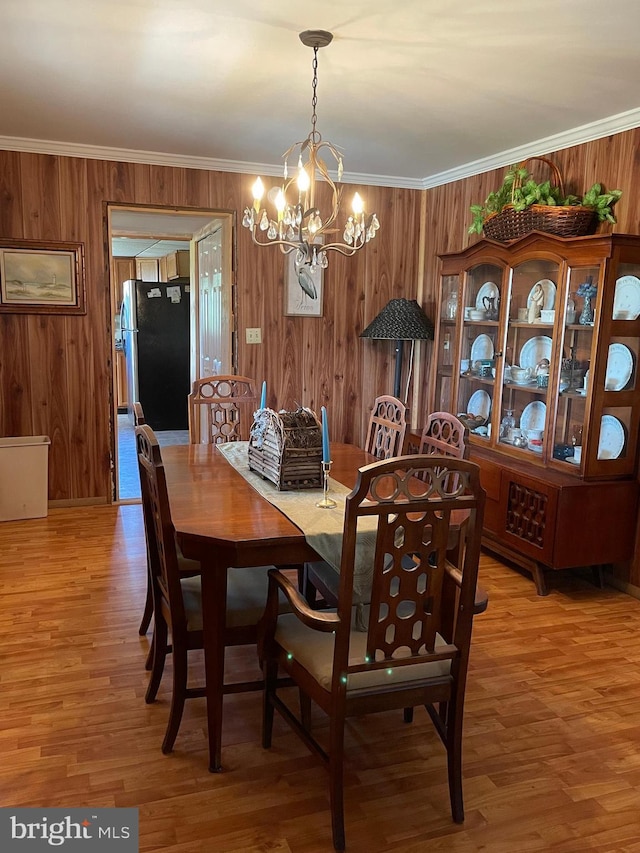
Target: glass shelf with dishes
(530, 332)
(481, 297)
(528, 353)
(575, 358)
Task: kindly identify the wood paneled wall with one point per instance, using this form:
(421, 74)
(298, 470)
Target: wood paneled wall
(55, 371)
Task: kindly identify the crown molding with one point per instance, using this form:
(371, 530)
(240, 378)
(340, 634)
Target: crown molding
(158, 158)
(577, 136)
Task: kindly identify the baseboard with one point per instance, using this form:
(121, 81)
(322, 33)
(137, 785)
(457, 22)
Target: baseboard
(623, 586)
(77, 502)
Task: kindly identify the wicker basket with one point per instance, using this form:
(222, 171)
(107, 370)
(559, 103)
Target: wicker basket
(286, 448)
(510, 224)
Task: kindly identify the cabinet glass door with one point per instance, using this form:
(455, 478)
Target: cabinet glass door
(446, 342)
(577, 330)
(529, 357)
(477, 364)
(615, 427)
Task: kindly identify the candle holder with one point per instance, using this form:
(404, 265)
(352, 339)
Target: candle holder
(326, 502)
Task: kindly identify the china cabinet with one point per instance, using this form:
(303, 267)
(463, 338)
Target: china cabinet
(540, 358)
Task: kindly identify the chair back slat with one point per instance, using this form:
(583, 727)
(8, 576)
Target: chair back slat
(221, 409)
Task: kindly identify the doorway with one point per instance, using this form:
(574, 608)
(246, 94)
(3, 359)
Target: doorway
(159, 246)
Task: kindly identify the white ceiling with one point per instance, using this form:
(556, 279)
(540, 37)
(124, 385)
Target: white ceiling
(416, 92)
(153, 233)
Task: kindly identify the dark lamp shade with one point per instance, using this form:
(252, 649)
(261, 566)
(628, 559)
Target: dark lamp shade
(400, 320)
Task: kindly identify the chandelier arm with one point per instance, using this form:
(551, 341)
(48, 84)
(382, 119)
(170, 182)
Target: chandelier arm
(292, 246)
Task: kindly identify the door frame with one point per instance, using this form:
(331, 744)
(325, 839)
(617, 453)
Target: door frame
(229, 216)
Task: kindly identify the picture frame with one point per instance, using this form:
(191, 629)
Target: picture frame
(300, 285)
(42, 277)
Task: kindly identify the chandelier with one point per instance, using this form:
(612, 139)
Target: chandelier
(296, 223)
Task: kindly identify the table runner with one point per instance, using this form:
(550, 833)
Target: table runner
(322, 528)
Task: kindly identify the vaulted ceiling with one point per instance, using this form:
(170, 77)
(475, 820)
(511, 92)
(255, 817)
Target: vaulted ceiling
(416, 92)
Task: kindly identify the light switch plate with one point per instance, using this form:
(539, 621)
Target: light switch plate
(254, 336)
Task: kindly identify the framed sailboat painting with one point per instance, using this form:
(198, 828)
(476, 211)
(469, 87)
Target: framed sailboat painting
(41, 277)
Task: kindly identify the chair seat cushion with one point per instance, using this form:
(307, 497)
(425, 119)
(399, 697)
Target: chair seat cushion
(246, 597)
(314, 651)
(185, 565)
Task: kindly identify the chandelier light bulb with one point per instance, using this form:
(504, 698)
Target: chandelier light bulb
(304, 182)
(357, 204)
(258, 191)
(280, 203)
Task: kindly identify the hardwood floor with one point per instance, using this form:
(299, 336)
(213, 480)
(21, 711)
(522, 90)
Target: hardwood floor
(552, 727)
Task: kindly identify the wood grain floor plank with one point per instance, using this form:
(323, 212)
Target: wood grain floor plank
(551, 758)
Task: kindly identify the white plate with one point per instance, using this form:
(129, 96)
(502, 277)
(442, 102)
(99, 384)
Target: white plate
(533, 415)
(487, 289)
(619, 367)
(626, 301)
(481, 348)
(549, 290)
(612, 438)
(534, 350)
(479, 404)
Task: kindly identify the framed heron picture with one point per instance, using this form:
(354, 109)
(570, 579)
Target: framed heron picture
(302, 288)
(41, 277)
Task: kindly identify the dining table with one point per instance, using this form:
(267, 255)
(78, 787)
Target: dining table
(222, 521)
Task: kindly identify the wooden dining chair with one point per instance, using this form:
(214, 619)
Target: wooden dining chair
(444, 435)
(385, 439)
(138, 420)
(387, 428)
(415, 647)
(187, 568)
(221, 409)
(177, 598)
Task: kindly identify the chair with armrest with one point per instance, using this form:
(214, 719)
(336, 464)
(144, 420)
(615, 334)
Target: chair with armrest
(385, 439)
(221, 409)
(177, 598)
(415, 650)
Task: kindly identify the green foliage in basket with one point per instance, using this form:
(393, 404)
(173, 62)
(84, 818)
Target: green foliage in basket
(520, 190)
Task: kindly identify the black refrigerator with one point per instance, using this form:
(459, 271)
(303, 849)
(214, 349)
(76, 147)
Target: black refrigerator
(154, 323)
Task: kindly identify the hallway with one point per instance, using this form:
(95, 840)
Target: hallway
(128, 479)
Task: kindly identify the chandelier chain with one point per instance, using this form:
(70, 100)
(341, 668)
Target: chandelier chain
(315, 135)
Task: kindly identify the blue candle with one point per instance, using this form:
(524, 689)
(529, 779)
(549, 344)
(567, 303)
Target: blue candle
(325, 436)
(263, 399)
